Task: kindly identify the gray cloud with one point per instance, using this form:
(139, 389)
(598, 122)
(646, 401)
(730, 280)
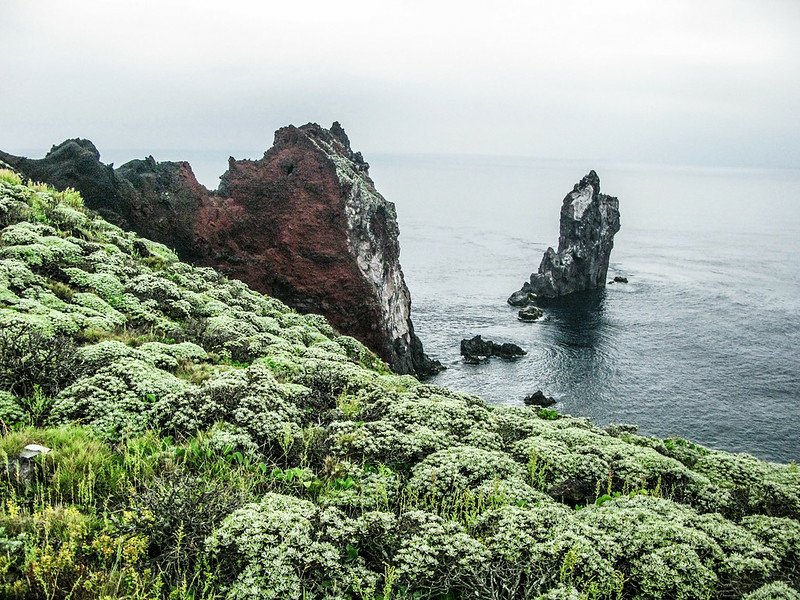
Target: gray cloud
(714, 82)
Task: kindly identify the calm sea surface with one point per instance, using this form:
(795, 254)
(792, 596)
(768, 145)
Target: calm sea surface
(704, 342)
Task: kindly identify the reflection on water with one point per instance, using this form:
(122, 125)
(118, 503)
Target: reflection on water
(580, 336)
(577, 320)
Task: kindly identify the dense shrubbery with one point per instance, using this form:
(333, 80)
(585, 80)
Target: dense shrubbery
(208, 442)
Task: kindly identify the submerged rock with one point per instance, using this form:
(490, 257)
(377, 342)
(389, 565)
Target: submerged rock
(304, 224)
(619, 279)
(589, 221)
(538, 398)
(475, 349)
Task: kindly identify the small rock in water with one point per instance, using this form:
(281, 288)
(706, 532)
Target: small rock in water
(530, 313)
(521, 297)
(619, 279)
(538, 398)
(475, 349)
(508, 350)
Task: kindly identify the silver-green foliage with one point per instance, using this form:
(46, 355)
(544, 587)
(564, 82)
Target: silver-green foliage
(388, 487)
(274, 548)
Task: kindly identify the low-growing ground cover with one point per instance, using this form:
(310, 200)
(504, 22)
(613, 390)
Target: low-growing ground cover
(209, 442)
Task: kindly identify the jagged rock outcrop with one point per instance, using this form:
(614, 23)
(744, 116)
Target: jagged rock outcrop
(304, 224)
(589, 221)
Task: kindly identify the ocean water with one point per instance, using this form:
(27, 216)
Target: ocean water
(704, 342)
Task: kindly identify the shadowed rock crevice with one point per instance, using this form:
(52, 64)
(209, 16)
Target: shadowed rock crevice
(304, 224)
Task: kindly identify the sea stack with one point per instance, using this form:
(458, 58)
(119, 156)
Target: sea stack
(589, 221)
(304, 224)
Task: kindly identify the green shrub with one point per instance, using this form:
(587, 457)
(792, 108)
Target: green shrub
(435, 555)
(270, 549)
(105, 285)
(777, 590)
(453, 470)
(782, 536)
(11, 412)
(177, 511)
(118, 400)
(716, 555)
(32, 360)
(753, 486)
(547, 414)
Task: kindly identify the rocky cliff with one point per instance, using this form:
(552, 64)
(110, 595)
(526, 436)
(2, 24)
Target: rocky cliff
(304, 223)
(589, 221)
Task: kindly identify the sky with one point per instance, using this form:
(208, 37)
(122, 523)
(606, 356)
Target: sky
(710, 83)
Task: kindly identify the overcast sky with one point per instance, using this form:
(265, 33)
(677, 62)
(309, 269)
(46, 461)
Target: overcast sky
(706, 82)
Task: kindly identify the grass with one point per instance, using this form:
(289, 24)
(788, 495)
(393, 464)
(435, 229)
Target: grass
(10, 177)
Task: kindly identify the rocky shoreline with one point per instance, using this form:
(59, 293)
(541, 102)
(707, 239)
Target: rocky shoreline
(304, 223)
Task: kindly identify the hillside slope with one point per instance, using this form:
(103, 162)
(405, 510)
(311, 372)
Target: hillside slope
(208, 442)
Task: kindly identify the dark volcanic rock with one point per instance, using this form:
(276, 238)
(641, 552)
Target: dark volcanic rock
(530, 313)
(538, 398)
(521, 298)
(589, 221)
(304, 224)
(162, 200)
(72, 163)
(619, 279)
(156, 199)
(473, 350)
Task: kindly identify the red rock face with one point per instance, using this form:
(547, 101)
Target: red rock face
(304, 224)
(279, 225)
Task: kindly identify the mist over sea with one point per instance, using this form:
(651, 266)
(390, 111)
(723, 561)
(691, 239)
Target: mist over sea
(704, 342)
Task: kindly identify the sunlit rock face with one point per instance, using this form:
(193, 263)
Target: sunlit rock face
(589, 221)
(304, 223)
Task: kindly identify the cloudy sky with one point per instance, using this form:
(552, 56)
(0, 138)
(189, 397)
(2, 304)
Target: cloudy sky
(711, 82)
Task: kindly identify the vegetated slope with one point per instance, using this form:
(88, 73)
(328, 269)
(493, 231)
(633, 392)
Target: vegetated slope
(208, 442)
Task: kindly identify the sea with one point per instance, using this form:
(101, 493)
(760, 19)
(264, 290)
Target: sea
(702, 343)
